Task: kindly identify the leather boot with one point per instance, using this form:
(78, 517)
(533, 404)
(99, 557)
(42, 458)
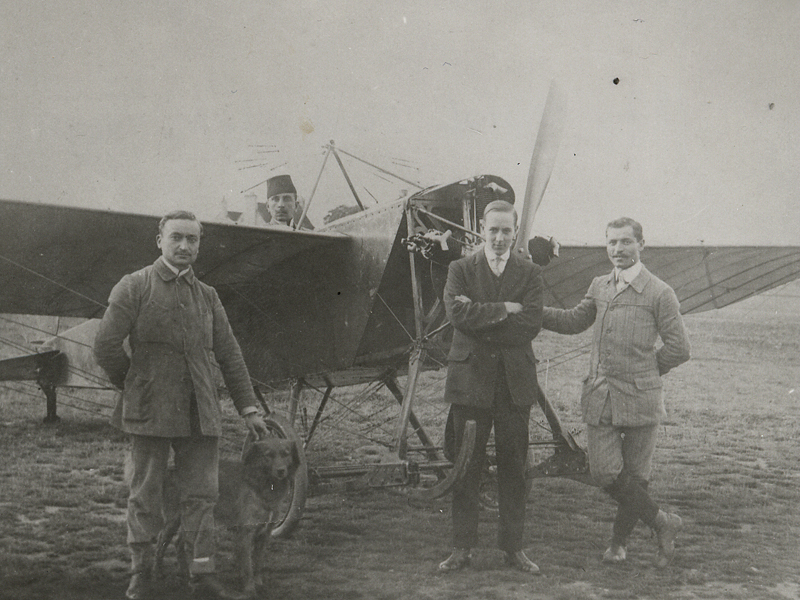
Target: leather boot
(142, 558)
(520, 562)
(615, 553)
(459, 559)
(667, 526)
(140, 586)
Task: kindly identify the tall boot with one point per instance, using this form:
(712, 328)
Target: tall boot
(629, 490)
(626, 519)
(634, 504)
(667, 526)
(142, 556)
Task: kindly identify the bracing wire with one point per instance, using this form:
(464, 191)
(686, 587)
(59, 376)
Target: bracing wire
(53, 281)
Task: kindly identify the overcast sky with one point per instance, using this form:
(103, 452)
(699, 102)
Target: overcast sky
(150, 105)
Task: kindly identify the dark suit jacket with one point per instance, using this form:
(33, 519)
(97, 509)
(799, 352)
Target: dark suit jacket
(485, 333)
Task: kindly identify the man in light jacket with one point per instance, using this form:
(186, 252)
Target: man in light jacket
(177, 328)
(621, 401)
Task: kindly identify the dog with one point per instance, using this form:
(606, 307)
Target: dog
(250, 492)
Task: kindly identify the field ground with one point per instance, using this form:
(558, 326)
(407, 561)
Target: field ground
(728, 462)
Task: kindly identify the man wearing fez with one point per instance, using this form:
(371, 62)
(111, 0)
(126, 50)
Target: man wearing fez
(175, 324)
(281, 200)
(493, 299)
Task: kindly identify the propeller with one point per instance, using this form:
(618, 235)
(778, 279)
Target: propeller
(542, 162)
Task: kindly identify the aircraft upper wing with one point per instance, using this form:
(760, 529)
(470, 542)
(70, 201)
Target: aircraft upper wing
(57, 260)
(703, 277)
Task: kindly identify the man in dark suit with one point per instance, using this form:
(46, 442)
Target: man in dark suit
(493, 299)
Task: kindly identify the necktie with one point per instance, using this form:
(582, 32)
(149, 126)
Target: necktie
(621, 283)
(496, 261)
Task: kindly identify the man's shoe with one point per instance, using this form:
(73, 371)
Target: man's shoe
(615, 554)
(459, 559)
(208, 587)
(140, 586)
(520, 562)
(667, 527)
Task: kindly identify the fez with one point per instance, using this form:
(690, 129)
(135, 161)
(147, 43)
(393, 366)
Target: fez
(280, 184)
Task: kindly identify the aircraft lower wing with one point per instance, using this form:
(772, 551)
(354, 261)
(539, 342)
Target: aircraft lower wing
(298, 301)
(703, 277)
(57, 260)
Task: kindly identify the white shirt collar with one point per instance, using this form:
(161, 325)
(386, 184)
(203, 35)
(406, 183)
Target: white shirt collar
(490, 256)
(629, 274)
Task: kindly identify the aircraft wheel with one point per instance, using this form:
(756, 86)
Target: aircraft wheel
(453, 475)
(291, 510)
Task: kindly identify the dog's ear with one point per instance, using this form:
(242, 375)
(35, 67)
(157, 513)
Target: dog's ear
(249, 454)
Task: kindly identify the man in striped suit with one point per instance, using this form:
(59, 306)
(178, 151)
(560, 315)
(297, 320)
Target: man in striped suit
(621, 401)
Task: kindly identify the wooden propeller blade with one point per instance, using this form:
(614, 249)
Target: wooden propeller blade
(542, 161)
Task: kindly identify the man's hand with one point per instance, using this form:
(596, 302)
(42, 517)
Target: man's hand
(513, 308)
(255, 425)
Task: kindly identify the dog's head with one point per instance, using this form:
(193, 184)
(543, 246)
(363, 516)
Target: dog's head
(271, 460)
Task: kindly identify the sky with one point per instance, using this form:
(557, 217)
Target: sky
(684, 115)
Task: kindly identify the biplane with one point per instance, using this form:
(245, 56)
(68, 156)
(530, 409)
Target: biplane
(354, 304)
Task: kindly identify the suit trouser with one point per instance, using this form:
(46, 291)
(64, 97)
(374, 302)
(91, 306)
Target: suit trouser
(511, 444)
(620, 461)
(197, 468)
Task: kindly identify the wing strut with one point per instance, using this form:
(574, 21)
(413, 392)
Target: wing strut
(314, 191)
(332, 148)
(415, 184)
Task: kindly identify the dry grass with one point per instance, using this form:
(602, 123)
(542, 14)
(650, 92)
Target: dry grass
(727, 462)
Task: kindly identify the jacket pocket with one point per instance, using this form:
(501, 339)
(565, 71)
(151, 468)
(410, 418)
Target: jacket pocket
(647, 382)
(137, 400)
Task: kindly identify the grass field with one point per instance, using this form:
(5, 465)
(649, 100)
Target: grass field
(728, 461)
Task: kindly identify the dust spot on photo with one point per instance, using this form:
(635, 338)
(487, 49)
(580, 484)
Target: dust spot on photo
(306, 126)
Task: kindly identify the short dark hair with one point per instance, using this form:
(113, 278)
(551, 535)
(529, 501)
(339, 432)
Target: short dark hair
(627, 222)
(500, 206)
(184, 215)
